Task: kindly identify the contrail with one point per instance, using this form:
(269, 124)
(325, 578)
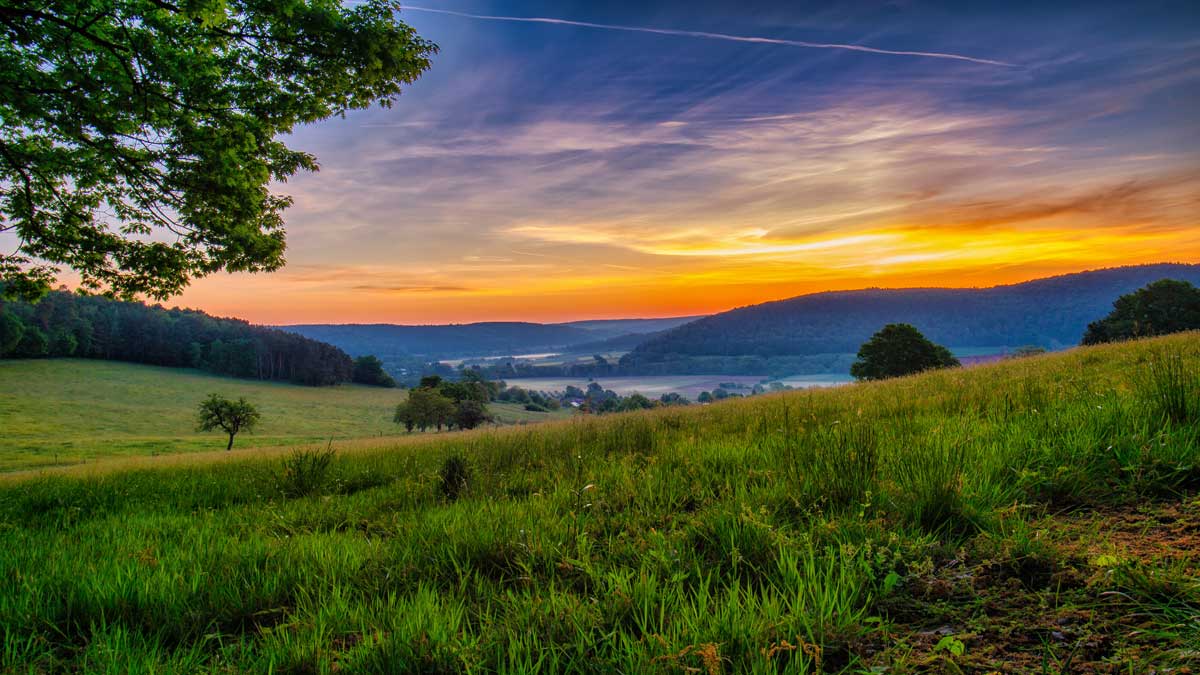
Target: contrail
(712, 36)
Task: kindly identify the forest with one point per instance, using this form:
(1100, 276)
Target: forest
(65, 324)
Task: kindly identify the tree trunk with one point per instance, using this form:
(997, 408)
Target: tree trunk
(230, 446)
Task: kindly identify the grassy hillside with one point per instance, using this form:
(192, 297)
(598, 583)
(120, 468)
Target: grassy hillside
(63, 411)
(1032, 516)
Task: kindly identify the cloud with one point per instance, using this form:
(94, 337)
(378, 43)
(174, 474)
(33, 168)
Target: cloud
(412, 289)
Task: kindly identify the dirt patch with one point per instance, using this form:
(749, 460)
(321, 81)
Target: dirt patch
(975, 614)
(1146, 534)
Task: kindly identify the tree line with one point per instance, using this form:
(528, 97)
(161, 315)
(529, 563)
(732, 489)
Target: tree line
(64, 324)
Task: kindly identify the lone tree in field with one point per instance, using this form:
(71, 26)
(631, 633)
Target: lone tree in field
(140, 138)
(899, 349)
(1165, 306)
(217, 412)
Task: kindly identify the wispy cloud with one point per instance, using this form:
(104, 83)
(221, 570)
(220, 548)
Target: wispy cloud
(715, 36)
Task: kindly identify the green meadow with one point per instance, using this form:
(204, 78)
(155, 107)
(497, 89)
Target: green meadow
(1037, 515)
(69, 411)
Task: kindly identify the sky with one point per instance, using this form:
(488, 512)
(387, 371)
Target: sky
(625, 159)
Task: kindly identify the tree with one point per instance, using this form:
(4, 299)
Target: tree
(469, 414)
(129, 118)
(635, 401)
(406, 414)
(673, 398)
(1027, 350)
(369, 370)
(899, 349)
(11, 330)
(231, 417)
(34, 344)
(1165, 306)
(425, 407)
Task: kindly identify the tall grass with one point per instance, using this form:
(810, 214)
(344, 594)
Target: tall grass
(1170, 386)
(754, 536)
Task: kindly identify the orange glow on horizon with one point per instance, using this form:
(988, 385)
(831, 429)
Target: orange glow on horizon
(696, 280)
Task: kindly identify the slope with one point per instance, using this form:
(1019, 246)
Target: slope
(1009, 518)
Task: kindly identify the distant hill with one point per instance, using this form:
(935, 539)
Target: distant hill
(497, 338)
(1051, 312)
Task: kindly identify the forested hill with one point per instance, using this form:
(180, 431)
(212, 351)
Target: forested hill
(1051, 312)
(66, 324)
(497, 338)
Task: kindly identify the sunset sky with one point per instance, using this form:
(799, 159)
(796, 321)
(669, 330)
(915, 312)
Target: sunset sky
(552, 171)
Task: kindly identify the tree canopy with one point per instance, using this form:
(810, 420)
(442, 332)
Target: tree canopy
(899, 349)
(369, 370)
(139, 138)
(217, 412)
(1165, 306)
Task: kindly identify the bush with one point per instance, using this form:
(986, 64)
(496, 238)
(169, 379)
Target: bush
(305, 473)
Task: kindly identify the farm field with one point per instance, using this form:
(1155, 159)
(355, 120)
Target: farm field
(66, 411)
(1035, 516)
(654, 386)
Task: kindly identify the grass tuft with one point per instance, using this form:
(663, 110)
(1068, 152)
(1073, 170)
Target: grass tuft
(306, 473)
(1171, 387)
(454, 477)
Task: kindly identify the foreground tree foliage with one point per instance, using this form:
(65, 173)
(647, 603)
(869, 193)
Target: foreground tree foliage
(899, 349)
(1163, 307)
(139, 137)
(229, 416)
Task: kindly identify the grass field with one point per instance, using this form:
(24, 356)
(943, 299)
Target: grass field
(1037, 516)
(66, 411)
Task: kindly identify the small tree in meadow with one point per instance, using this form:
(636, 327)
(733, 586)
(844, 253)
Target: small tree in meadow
(217, 412)
(899, 349)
